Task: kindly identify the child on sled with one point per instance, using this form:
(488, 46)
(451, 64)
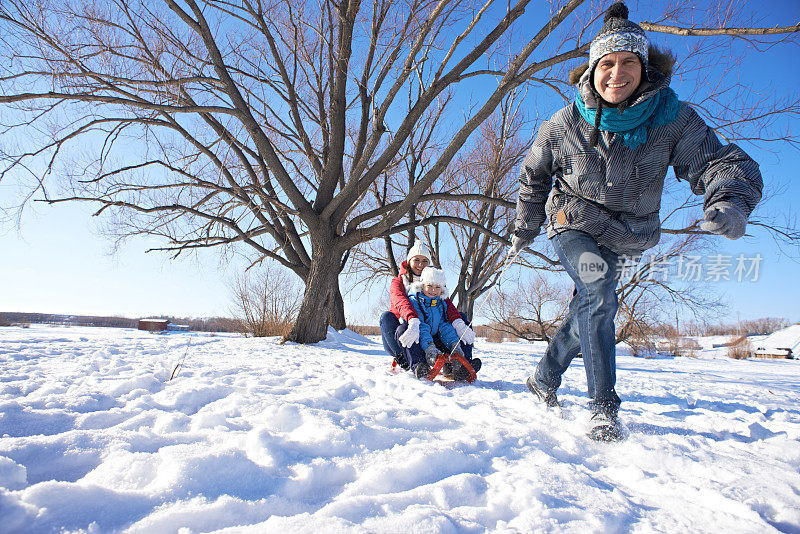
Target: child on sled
(436, 334)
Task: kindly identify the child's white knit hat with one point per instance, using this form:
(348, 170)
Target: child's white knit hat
(433, 276)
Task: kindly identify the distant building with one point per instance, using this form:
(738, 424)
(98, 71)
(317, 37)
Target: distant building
(153, 325)
(161, 325)
(781, 344)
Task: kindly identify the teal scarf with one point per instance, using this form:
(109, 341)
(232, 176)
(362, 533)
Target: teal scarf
(632, 124)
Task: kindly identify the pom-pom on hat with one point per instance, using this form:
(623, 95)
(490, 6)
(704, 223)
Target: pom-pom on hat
(419, 249)
(617, 35)
(434, 276)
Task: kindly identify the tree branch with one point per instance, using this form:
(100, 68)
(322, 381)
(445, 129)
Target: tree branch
(709, 32)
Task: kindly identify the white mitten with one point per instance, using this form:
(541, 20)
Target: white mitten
(411, 335)
(465, 333)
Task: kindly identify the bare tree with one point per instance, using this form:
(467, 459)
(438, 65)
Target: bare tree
(489, 170)
(216, 123)
(263, 124)
(530, 310)
(266, 303)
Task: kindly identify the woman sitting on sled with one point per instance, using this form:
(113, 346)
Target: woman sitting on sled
(401, 309)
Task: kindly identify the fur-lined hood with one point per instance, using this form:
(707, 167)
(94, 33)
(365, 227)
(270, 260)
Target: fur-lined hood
(414, 288)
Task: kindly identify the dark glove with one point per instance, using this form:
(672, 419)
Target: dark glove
(456, 349)
(725, 219)
(521, 239)
(431, 354)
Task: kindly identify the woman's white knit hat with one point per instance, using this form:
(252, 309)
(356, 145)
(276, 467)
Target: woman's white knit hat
(419, 249)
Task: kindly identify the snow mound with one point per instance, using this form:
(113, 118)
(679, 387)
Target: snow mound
(255, 436)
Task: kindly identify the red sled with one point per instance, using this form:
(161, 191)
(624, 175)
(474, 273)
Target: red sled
(443, 359)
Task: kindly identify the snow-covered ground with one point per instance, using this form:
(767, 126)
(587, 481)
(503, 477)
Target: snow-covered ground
(254, 436)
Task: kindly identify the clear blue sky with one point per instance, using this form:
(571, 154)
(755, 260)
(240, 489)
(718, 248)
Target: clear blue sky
(58, 262)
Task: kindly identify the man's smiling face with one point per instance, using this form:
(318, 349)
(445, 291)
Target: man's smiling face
(617, 75)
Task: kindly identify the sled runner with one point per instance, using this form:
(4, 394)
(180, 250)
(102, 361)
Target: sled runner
(441, 360)
(444, 358)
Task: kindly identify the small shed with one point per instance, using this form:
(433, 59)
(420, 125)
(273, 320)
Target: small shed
(153, 325)
(781, 344)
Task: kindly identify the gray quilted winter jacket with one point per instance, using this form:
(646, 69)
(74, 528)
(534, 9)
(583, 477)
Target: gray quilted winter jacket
(613, 192)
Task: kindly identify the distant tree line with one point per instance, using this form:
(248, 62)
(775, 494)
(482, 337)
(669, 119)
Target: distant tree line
(201, 324)
(494, 332)
(497, 332)
(764, 325)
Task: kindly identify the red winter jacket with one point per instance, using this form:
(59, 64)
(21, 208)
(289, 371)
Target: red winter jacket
(401, 306)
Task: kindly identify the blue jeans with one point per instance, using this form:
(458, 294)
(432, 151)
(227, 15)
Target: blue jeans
(589, 325)
(389, 323)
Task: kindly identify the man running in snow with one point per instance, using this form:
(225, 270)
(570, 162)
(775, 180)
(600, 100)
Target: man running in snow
(594, 176)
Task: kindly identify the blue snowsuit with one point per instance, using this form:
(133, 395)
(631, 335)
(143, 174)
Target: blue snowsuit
(433, 320)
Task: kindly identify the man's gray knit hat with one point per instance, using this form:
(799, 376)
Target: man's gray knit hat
(617, 35)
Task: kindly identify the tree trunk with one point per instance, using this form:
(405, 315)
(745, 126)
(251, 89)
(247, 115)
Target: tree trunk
(321, 298)
(336, 318)
(466, 305)
(469, 309)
